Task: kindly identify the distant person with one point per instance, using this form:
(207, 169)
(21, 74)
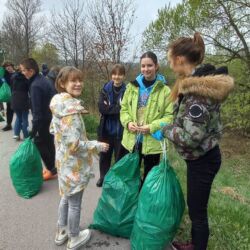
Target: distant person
(45, 69)
(52, 75)
(2, 72)
(110, 128)
(9, 72)
(196, 130)
(41, 94)
(20, 104)
(73, 156)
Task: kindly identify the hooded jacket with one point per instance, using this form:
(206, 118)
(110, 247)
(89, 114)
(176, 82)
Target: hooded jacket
(74, 153)
(158, 110)
(20, 97)
(197, 125)
(109, 108)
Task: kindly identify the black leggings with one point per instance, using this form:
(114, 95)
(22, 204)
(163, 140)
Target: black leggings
(106, 157)
(9, 114)
(149, 160)
(45, 144)
(200, 176)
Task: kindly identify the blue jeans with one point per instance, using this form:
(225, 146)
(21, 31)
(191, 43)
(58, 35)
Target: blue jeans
(21, 122)
(69, 212)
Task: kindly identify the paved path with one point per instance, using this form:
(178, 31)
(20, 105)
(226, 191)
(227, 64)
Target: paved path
(30, 224)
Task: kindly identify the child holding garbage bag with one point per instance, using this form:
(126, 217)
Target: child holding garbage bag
(196, 130)
(73, 155)
(144, 107)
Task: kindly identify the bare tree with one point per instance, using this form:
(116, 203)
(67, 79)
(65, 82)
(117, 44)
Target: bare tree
(68, 32)
(110, 21)
(21, 26)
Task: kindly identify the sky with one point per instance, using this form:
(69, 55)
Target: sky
(146, 12)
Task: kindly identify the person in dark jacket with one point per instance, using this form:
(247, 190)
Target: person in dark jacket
(41, 94)
(9, 72)
(196, 130)
(52, 75)
(110, 128)
(2, 72)
(45, 69)
(20, 104)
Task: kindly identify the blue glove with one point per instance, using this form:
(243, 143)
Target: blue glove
(158, 135)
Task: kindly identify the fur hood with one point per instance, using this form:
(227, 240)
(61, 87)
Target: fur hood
(216, 87)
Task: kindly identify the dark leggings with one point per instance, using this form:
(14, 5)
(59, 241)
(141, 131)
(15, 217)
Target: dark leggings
(9, 114)
(149, 160)
(106, 157)
(200, 176)
(45, 144)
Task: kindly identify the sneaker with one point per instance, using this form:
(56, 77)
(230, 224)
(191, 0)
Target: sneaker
(16, 137)
(80, 240)
(7, 128)
(61, 236)
(48, 176)
(99, 182)
(182, 246)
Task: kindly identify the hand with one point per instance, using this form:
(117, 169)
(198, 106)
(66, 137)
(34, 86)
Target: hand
(144, 129)
(104, 147)
(132, 127)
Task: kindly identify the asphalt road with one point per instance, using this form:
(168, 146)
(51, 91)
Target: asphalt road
(30, 224)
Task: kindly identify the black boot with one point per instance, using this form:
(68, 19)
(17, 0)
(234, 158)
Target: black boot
(7, 128)
(99, 182)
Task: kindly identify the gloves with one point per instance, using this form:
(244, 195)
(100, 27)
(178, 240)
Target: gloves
(158, 135)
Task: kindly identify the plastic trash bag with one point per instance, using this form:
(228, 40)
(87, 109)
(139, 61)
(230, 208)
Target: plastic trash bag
(5, 93)
(26, 169)
(160, 208)
(117, 205)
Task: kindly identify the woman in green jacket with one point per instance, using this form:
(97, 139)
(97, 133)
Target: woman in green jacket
(144, 108)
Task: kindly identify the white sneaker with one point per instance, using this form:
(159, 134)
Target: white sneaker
(61, 236)
(80, 240)
(16, 137)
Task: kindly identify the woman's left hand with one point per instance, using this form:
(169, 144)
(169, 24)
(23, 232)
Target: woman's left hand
(144, 129)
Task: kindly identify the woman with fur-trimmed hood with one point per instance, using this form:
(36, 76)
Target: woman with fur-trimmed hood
(196, 130)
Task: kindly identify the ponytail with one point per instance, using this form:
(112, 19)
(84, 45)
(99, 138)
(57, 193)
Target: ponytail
(191, 48)
(198, 41)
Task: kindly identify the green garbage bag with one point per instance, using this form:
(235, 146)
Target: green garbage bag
(160, 208)
(26, 169)
(117, 205)
(5, 92)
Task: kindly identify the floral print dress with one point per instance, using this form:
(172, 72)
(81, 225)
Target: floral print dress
(74, 153)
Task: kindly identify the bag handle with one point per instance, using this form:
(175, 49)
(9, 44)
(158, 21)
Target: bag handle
(164, 151)
(137, 141)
